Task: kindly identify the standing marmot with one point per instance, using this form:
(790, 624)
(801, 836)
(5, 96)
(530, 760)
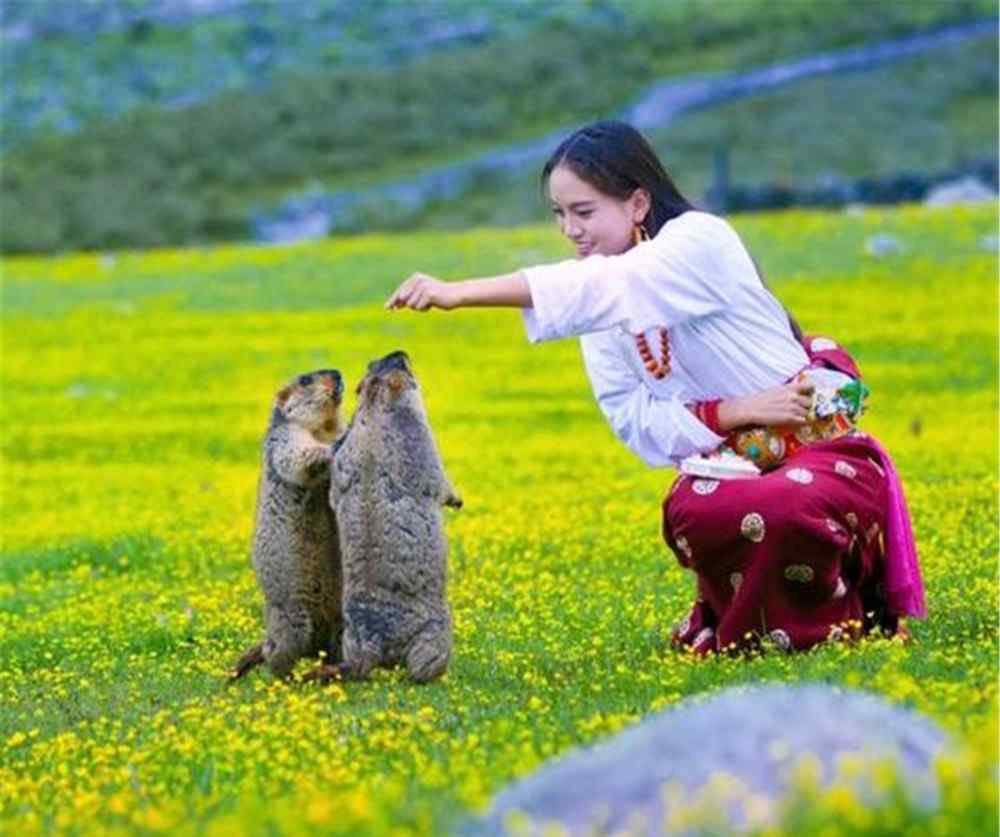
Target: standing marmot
(387, 487)
(295, 551)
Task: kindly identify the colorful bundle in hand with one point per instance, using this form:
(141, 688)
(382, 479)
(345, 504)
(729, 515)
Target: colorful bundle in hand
(837, 403)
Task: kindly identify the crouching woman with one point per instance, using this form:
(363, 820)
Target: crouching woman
(684, 344)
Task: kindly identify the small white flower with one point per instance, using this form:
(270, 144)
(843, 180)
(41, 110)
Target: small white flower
(822, 344)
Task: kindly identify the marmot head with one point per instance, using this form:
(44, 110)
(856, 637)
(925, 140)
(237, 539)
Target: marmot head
(312, 401)
(389, 384)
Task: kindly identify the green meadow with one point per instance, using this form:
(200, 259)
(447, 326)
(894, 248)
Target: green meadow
(136, 390)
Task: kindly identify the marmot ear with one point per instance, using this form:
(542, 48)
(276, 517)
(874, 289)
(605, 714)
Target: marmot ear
(283, 396)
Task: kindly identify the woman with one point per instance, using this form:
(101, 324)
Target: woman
(683, 342)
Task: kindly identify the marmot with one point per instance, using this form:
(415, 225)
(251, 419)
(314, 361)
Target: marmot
(296, 554)
(387, 487)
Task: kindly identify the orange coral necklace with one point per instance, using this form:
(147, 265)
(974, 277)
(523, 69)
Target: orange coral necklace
(657, 368)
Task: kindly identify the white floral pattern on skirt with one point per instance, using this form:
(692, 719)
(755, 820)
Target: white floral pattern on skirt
(845, 469)
(752, 527)
(800, 572)
(704, 487)
(803, 476)
(704, 635)
(781, 639)
(822, 344)
(684, 546)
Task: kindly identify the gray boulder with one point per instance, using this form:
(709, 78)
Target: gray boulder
(883, 244)
(734, 755)
(963, 190)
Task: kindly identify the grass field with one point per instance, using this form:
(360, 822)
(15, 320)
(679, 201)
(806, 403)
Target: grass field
(136, 389)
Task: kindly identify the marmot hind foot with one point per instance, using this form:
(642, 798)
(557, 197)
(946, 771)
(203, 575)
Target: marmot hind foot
(248, 662)
(328, 672)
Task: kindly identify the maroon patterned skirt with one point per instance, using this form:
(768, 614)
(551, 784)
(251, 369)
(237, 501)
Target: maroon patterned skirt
(796, 555)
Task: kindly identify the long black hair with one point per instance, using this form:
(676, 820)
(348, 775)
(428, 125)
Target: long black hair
(616, 159)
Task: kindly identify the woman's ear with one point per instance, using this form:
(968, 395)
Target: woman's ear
(641, 204)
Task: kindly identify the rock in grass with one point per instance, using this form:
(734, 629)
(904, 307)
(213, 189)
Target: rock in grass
(963, 190)
(732, 757)
(883, 244)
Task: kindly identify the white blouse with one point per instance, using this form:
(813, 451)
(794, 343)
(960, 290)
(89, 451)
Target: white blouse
(728, 335)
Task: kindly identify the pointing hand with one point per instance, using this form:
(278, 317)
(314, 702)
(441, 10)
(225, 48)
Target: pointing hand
(422, 292)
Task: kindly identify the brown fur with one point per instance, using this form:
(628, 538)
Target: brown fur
(387, 489)
(296, 553)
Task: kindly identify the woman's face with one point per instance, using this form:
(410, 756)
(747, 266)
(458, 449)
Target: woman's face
(593, 221)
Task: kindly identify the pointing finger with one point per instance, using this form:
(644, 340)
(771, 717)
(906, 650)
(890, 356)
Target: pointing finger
(406, 293)
(396, 298)
(403, 292)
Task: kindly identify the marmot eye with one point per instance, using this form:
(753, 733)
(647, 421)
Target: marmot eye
(305, 380)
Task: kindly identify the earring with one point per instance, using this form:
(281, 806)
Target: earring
(639, 234)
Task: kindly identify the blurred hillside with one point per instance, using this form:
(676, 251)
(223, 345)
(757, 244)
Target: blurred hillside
(134, 123)
(67, 64)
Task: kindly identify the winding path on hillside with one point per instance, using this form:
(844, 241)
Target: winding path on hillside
(316, 214)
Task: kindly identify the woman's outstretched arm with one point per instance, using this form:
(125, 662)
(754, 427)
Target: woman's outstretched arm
(422, 292)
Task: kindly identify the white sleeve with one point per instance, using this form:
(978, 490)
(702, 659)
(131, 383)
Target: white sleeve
(659, 431)
(685, 272)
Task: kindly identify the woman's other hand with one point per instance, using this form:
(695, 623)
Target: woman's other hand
(422, 292)
(786, 404)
